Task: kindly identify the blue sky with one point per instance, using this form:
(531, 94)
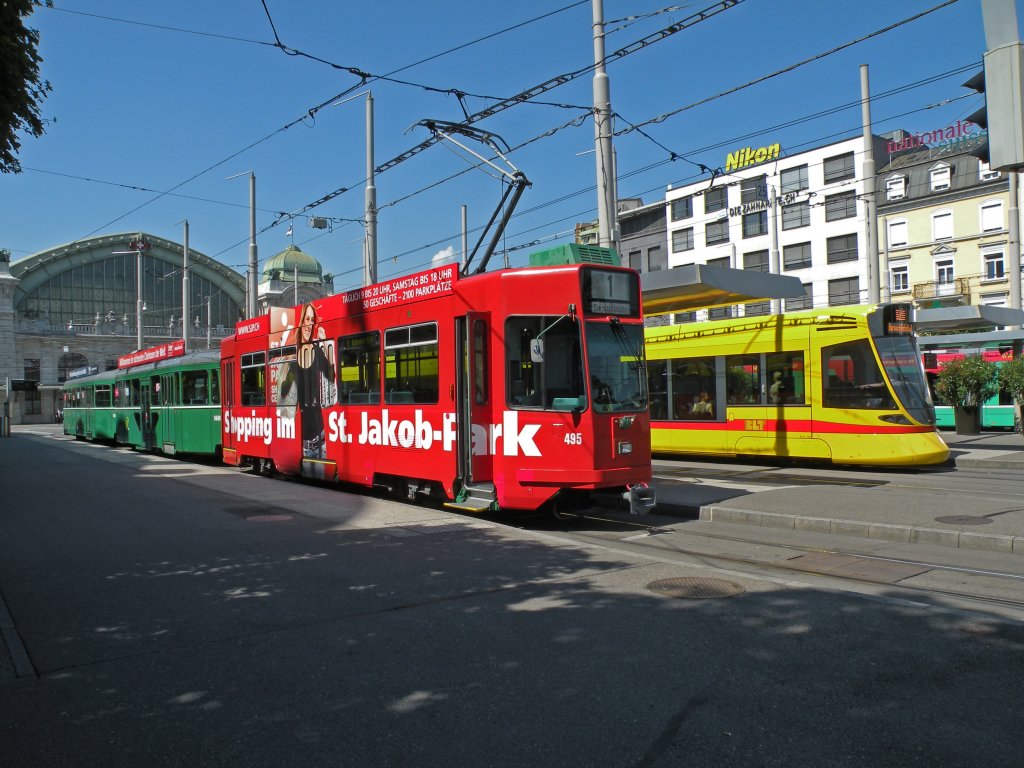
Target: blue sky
(190, 93)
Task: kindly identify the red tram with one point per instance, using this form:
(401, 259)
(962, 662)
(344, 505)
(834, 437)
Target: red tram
(512, 389)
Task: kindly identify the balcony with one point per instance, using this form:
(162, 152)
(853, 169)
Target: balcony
(959, 291)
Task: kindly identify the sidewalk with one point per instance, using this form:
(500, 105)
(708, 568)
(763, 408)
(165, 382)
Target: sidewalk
(950, 519)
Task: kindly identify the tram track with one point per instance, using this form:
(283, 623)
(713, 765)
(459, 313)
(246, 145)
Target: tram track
(914, 568)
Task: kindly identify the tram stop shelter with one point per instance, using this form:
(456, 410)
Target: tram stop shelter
(698, 286)
(966, 318)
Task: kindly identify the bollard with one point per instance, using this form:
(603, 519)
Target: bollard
(5, 426)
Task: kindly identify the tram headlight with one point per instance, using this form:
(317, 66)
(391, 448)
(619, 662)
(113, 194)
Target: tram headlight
(625, 447)
(896, 418)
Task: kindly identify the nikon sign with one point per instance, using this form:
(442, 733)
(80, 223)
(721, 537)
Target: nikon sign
(741, 158)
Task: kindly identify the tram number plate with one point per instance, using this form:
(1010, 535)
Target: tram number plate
(574, 438)
(753, 425)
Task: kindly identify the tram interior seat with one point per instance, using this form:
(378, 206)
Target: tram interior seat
(400, 396)
(363, 398)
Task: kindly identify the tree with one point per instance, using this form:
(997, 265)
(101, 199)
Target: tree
(21, 90)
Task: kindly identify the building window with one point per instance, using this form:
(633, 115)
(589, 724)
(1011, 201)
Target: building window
(796, 215)
(897, 233)
(69, 362)
(985, 172)
(939, 177)
(841, 248)
(719, 313)
(942, 225)
(682, 208)
(31, 369)
(757, 308)
(845, 290)
(636, 260)
(992, 216)
(944, 272)
(839, 168)
(801, 302)
(896, 188)
(682, 240)
(841, 206)
(796, 256)
(754, 189)
(794, 179)
(717, 232)
(722, 262)
(656, 259)
(899, 279)
(716, 199)
(756, 261)
(755, 224)
(994, 267)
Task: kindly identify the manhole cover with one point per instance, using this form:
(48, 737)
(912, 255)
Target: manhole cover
(963, 520)
(696, 588)
(267, 518)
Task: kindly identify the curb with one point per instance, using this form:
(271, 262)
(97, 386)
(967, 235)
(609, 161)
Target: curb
(968, 463)
(902, 534)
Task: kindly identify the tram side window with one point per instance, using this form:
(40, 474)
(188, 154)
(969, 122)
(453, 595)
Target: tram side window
(359, 369)
(693, 387)
(410, 364)
(743, 380)
(103, 396)
(134, 393)
(785, 378)
(284, 374)
(657, 384)
(851, 378)
(254, 382)
(156, 391)
(195, 386)
(215, 386)
(552, 379)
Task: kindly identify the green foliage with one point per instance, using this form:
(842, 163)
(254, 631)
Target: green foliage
(1011, 378)
(967, 382)
(21, 90)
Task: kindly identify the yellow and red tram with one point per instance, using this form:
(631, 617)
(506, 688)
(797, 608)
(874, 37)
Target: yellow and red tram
(843, 384)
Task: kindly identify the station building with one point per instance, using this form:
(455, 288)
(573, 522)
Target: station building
(73, 308)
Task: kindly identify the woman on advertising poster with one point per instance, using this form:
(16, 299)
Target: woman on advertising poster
(314, 383)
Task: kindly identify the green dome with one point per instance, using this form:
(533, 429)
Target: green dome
(282, 266)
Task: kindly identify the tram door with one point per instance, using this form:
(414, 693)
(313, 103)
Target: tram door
(146, 414)
(473, 399)
(227, 400)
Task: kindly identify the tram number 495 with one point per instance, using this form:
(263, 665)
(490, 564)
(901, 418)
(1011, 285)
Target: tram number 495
(574, 438)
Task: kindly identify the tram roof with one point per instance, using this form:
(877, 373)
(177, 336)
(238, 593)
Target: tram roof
(966, 317)
(698, 286)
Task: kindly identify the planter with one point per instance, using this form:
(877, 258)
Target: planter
(967, 420)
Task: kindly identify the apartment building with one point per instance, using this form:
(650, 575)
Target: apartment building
(811, 203)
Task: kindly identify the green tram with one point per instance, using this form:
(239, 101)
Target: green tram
(170, 406)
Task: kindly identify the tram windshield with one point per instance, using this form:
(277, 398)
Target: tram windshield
(852, 378)
(902, 362)
(615, 356)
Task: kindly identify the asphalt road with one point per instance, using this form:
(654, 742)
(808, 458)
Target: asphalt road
(160, 613)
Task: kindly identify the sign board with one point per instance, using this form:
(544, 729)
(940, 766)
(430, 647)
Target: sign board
(174, 348)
